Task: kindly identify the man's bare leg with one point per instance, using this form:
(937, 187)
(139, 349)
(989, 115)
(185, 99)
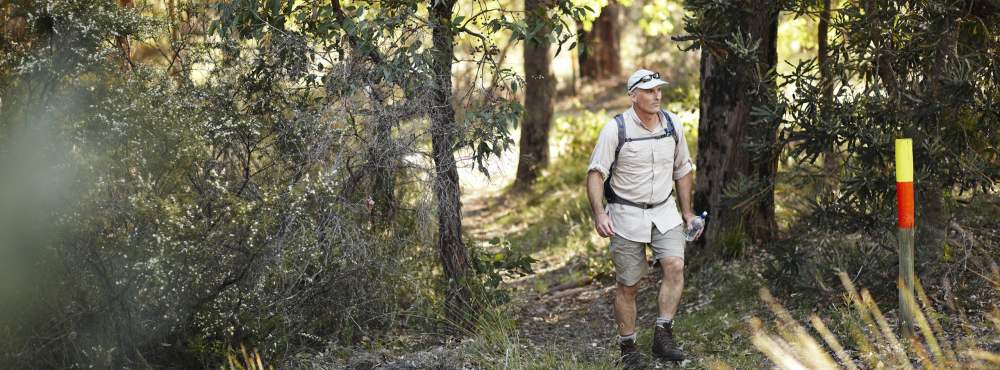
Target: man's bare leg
(664, 346)
(671, 286)
(625, 308)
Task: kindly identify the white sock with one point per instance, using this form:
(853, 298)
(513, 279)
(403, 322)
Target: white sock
(664, 321)
(625, 338)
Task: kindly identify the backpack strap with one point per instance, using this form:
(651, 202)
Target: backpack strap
(609, 193)
(620, 120)
(670, 130)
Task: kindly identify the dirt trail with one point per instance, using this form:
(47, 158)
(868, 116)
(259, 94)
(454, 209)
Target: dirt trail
(571, 319)
(574, 319)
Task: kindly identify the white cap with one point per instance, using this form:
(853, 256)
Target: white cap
(638, 75)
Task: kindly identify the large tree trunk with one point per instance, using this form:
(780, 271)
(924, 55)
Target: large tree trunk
(454, 257)
(599, 51)
(538, 100)
(723, 134)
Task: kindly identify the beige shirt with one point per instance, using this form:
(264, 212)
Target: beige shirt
(644, 173)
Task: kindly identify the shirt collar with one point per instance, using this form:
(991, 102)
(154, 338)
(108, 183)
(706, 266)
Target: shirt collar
(630, 113)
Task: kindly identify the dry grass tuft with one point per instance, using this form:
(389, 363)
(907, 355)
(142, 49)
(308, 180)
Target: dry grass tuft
(245, 360)
(875, 344)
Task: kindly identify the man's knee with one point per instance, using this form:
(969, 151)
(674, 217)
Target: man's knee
(672, 265)
(629, 291)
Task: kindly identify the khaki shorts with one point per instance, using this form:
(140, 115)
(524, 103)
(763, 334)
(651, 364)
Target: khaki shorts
(630, 257)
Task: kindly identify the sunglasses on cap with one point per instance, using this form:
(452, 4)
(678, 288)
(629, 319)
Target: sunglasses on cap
(645, 78)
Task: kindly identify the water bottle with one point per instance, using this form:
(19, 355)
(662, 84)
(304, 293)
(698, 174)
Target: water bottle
(696, 225)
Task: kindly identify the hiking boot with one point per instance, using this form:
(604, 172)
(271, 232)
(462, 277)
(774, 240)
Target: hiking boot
(631, 359)
(663, 343)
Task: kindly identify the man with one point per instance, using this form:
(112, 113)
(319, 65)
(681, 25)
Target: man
(641, 210)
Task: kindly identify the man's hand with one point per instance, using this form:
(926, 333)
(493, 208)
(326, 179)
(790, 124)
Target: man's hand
(603, 225)
(688, 218)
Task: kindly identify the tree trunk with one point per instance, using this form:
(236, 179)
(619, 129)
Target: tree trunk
(123, 43)
(831, 161)
(176, 66)
(933, 214)
(540, 87)
(723, 134)
(600, 47)
(382, 159)
(454, 257)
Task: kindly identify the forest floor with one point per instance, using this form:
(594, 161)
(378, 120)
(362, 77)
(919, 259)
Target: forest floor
(564, 312)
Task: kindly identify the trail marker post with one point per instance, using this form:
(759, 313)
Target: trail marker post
(904, 202)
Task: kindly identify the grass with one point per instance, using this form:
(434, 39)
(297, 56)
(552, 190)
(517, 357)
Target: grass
(930, 346)
(244, 360)
(497, 345)
(718, 300)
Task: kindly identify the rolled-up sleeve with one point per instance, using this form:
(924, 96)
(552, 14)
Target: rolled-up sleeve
(604, 151)
(682, 157)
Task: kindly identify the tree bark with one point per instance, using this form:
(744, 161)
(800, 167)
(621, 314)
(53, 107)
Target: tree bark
(123, 42)
(729, 90)
(176, 66)
(454, 257)
(383, 161)
(540, 88)
(831, 161)
(600, 48)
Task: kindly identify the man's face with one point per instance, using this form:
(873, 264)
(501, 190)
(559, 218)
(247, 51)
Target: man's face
(646, 100)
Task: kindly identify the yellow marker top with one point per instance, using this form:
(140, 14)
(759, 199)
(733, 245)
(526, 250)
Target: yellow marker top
(904, 160)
